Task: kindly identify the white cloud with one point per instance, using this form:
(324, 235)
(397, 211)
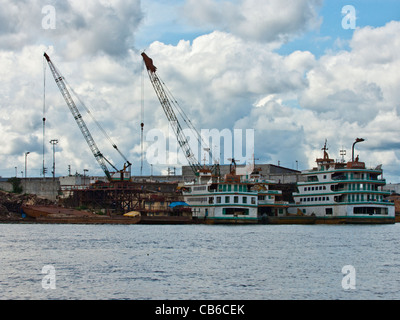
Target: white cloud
(223, 81)
(82, 27)
(267, 21)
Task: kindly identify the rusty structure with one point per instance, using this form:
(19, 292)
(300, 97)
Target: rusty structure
(120, 197)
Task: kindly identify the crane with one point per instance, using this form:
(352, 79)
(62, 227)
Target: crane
(166, 103)
(101, 159)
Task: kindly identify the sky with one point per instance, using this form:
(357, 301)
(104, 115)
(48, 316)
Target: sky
(286, 76)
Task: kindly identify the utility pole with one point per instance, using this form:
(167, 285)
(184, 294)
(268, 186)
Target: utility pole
(84, 176)
(26, 165)
(54, 142)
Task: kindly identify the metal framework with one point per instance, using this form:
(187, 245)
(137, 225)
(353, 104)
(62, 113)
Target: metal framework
(119, 197)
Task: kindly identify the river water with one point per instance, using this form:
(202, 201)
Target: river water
(199, 262)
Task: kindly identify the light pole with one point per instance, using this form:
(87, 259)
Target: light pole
(26, 161)
(54, 142)
(352, 149)
(26, 165)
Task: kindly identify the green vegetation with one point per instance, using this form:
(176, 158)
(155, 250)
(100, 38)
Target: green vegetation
(16, 184)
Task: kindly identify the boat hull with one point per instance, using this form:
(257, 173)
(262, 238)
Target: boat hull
(53, 214)
(325, 220)
(166, 220)
(233, 220)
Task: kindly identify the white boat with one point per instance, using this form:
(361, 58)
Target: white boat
(234, 199)
(343, 192)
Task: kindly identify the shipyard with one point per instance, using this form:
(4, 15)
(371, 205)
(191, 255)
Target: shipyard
(181, 154)
(334, 192)
(247, 194)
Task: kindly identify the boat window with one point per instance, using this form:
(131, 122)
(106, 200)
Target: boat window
(244, 199)
(235, 199)
(227, 199)
(199, 188)
(253, 200)
(235, 211)
(370, 210)
(218, 199)
(229, 187)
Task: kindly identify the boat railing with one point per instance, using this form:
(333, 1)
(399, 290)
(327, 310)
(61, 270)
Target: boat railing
(73, 187)
(357, 178)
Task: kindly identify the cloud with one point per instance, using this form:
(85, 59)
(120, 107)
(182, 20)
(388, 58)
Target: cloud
(293, 102)
(220, 70)
(81, 27)
(356, 84)
(266, 21)
(222, 81)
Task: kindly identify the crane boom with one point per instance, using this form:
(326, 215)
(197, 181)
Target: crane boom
(173, 120)
(78, 118)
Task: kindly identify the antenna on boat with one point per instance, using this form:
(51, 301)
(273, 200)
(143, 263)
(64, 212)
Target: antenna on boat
(326, 156)
(342, 153)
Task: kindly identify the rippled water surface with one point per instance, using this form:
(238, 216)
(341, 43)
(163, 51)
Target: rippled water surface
(199, 261)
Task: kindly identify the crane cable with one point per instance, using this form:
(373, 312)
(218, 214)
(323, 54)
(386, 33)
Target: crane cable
(96, 122)
(187, 120)
(44, 112)
(142, 122)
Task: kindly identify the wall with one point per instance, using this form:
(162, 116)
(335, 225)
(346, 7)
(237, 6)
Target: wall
(42, 187)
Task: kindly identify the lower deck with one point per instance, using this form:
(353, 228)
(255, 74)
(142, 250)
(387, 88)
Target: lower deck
(369, 210)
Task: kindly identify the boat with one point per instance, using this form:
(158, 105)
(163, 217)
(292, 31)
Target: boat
(56, 214)
(342, 192)
(232, 199)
